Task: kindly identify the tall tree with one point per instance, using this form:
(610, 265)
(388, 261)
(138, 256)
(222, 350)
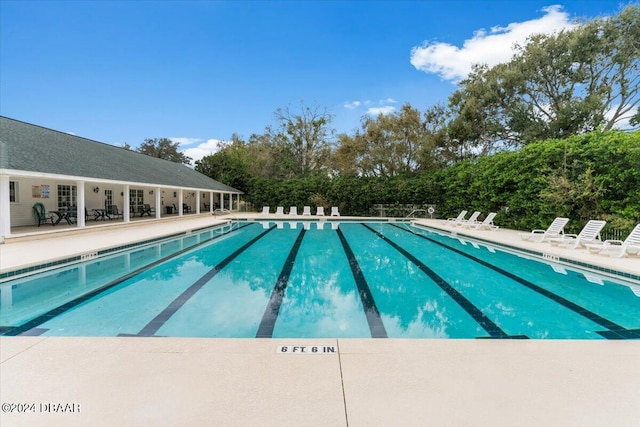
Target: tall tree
(230, 165)
(392, 144)
(555, 86)
(308, 136)
(164, 148)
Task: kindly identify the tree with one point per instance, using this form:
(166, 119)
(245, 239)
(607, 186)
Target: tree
(163, 148)
(555, 86)
(306, 135)
(392, 144)
(231, 165)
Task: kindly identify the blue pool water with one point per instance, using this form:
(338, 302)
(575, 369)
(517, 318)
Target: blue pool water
(320, 279)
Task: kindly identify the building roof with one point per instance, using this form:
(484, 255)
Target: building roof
(27, 147)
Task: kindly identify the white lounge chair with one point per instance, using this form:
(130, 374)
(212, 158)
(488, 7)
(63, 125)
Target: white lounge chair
(473, 220)
(279, 210)
(320, 211)
(334, 211)
(487, 224)
(457, 220)
(618, 248)
(556, 229)
(590, 233)
(306, 210)
(293, 210)
(265, 210)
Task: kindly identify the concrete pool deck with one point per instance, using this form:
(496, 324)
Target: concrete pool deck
(362, 382)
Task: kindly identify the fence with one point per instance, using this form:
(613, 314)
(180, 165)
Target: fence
(424, 210)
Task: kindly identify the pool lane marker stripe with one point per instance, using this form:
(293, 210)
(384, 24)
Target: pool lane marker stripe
(611, 326)
(156, 323)
(265, 330)
(45, 317)
(368, 303)
(487, 324)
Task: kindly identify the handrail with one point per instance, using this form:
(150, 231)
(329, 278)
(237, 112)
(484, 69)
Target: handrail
(414, 211)
(229, 213)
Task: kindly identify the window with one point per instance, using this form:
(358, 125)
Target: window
(67, 196)
(108, 197)
(136, 199)
(13, 192)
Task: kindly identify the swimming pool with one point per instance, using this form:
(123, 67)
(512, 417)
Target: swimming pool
(305, 279)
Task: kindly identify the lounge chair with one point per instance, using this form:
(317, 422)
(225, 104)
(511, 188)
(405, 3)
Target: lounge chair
(473, 220)
(556, 229)
(320, 211)
(334, 211)
(41, 215)
(279, 210)
(590, 233)
(487, 224)
(265, 210)
(306, 210)
(293, 210)
(618, 248)
(457, 220)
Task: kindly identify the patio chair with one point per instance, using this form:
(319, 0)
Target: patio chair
(279, 210)
(487, 224)
(556, 229)
(618, 248)
(113, 212)
(334, 211)
(293, 210)
(146, 209)
(40, 214)
(306, 210)
(473, 220)
(186, 208)
(457, 220)
(320, 211)
(265, 210)
(590, 233)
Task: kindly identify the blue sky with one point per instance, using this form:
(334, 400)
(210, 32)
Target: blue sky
(199, 71)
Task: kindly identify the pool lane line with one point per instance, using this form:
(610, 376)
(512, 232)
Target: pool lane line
(268, 322)
(45, 317)
(376, 326)
(487, 324)
(615, 331)
(157, 322)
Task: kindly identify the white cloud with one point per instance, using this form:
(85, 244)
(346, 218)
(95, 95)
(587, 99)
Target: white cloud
(491, 48)
(186, 141)
(352, 105)
(382, 103)
(206, 148)
(375, 111)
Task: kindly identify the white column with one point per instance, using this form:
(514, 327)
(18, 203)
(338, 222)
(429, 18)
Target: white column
(158, 203)
(197, 202)
(5, 208)
(127, 207)
(211, 202)
(81, 205)
(180, 202)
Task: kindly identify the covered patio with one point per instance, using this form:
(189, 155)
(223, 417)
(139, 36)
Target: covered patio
(78, 183)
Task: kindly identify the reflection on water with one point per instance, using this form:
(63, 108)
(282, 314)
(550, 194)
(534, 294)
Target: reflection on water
(412, 293)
